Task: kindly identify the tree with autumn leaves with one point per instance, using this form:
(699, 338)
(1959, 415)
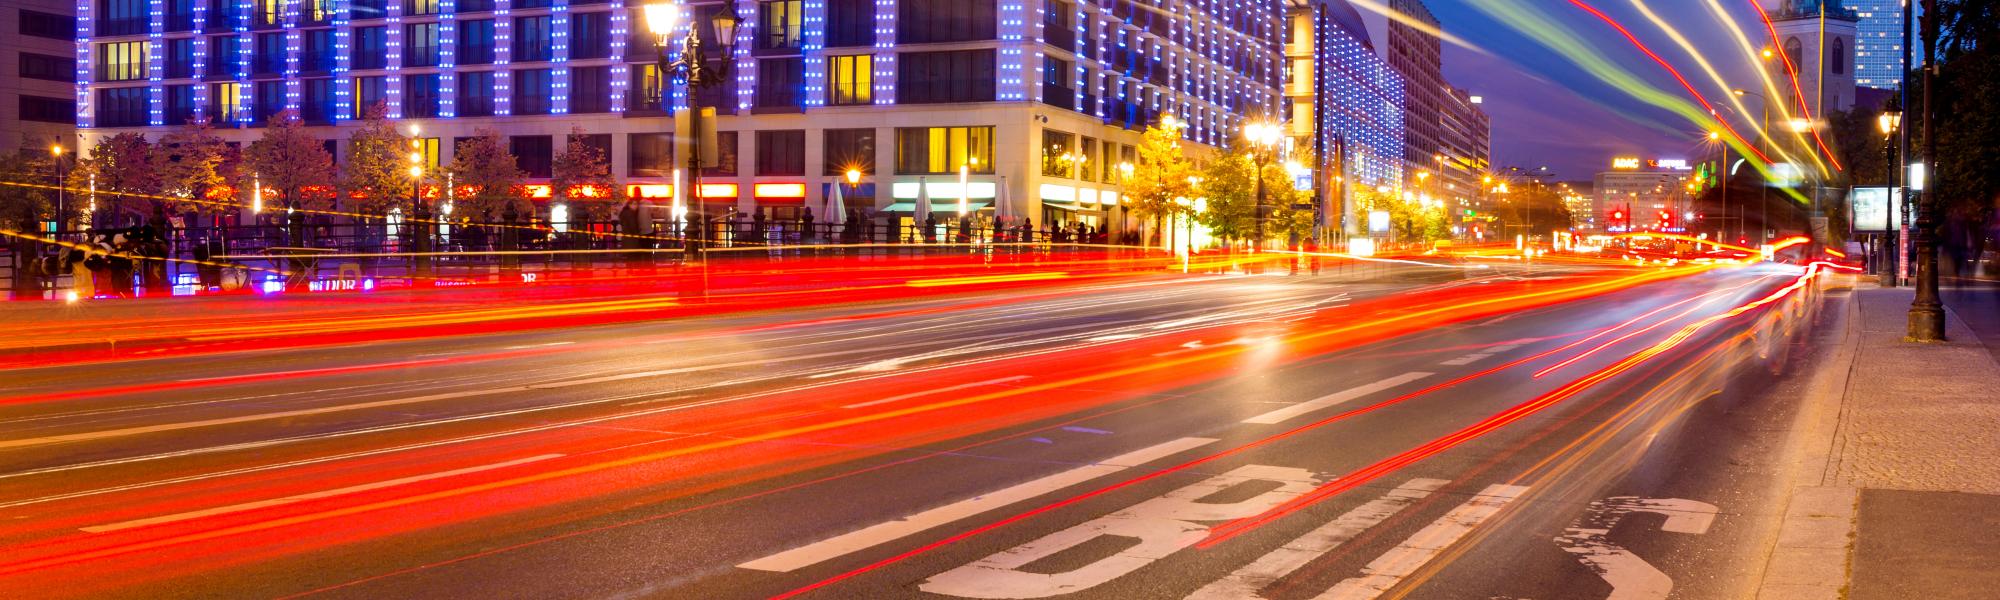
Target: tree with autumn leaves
(581, 178)
(376, 174)
(482, 166)
(1163, 177)
(291, 163)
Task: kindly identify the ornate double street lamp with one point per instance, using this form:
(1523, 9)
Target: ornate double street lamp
(1263, 138)
(693, 68)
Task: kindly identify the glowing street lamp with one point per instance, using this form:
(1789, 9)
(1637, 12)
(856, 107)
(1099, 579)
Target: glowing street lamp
(1263, 137)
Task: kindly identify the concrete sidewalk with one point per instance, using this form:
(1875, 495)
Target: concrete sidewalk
(1897, 492)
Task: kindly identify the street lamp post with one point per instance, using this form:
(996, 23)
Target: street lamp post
(1263, 139)
(693, 68)
(56, 151)
(1927, 311)
(1889, 121)
(421, 225)
(1763, 191)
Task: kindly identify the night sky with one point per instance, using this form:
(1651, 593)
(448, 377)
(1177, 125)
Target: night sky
(1548, 112)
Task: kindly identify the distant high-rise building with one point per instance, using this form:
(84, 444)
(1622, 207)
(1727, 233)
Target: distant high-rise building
(1415, 53)
(1464, 156)
(1346, 105)
(1878, 44)
(38, 99)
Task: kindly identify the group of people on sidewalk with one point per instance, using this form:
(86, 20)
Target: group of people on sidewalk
(105, 264)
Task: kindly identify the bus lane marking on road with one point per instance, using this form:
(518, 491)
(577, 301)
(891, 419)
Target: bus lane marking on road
(1391, 567)
(1248, 582)
(1631, 577)
(1162, 526)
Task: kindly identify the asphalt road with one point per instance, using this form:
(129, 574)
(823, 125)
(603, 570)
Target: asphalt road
(1522, 432)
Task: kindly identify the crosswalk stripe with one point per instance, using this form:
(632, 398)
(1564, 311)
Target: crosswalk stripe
(841, 545)
(1389, 569)
(1249, 581)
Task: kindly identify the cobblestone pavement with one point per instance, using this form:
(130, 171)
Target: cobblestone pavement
(1917, 417)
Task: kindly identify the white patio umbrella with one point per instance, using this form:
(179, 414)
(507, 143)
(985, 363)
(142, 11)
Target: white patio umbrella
(836, 207)
(923, 208)
(1001, 216)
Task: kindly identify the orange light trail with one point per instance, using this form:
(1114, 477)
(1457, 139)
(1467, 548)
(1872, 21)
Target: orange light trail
(1670, 69)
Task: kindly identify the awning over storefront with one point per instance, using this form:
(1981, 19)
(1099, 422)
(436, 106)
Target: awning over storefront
(1072, 207)
(938, 206)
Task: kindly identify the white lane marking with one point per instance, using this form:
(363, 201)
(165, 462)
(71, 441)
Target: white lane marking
(841, 545)
(1247, 582)
(1162, 526)
(527, 346)
(936, 391)
(1465, 360)
(1503, 348)
(1391, 567)
(233, 508)
(128, 431)
(1631, 577)
(1283, 414)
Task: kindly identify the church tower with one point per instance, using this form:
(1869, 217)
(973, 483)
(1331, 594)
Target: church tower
(1817, 36)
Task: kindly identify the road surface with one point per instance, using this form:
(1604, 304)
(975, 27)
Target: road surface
(1571, 431)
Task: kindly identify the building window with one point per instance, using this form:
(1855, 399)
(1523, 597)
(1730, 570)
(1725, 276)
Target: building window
(223, 52)
(467, 6)
(725, 152)
(780, 20)
(780, 82)
(1794, 50)
(475, 94)
(475, 42)
(119, 17)
(1058, 154)
(590, 90)
(532, 91)
(420, 45)
(316, 11)
(368, 92)
(534, 154)
(270, 99)
(650, 154)
(850, 79)
(121, 107)
(370, 9)
(645, 88)
(318, 105)
(939, 77)
(121, 61)
(318, 54)
(225, 102)
(533, 39)
(420, 7)
(180, 104)
(420, 95)
(850, 23)
(270, 57)
(371, 46)
(180, 14)
(51, 68)
(47, 25)
(49, 110)
(427, 148)
(781, 152)
(1839, 58)
(590, 35)
(850, 149)
(930, 150)
(926, 21)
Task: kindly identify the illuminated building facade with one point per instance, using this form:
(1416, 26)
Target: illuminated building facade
(1639, 196)
(37, 105)
(1464, 156)
(1878, 44)
(1346, 106)
(1043, 97)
